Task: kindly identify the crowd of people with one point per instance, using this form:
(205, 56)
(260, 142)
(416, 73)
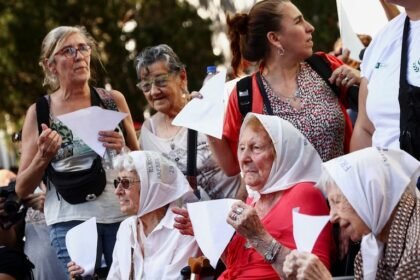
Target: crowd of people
(287, 142)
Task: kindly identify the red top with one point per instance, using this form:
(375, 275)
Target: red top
(233, 118)
(243, 263)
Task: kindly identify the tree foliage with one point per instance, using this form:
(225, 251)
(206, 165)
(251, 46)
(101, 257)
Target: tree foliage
(24, 24)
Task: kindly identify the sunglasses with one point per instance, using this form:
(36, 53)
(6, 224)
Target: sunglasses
(125, 182)
(159, 81)
(71, 52)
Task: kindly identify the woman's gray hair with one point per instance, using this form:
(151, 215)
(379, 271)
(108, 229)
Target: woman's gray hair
(324, 181)
(52, 44)
(162, 52)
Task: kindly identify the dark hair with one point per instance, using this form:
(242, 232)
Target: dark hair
(162, 52)
(248, 32)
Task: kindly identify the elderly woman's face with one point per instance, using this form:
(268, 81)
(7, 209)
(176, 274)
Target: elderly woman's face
(256, 155)
(343, 214)
(163, 89)
(128, 192)
(69, 65)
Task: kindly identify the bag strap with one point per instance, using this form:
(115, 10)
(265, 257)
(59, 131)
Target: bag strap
(264, 94)
(323, 69)
(191, 173)
(244, 93)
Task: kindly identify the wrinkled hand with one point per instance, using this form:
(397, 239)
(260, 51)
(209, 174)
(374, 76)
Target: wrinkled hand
(111, 139)
(74, 269)
(35, 201)
(49, 141)
(183, 222)
(303, 265)
(345, 76)
(246, 221)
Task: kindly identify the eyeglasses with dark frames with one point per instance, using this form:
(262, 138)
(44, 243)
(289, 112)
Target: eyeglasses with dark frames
(159, 81)
(125, 182)
(71, 51)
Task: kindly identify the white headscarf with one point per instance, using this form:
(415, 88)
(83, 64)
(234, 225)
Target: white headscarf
(161, 181)
(296, 159)
(373, 181)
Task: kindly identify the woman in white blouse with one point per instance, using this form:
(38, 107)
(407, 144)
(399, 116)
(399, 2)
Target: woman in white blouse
(148, 246)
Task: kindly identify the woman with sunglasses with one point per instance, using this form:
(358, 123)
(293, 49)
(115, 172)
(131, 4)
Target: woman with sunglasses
(66, 56)
(163, 81)
(148, 246)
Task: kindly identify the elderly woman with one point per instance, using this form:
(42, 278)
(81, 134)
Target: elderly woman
(163, 81)
(148, 246)
(280, 168)
(372, 196)
(276, 35)
(66, 58)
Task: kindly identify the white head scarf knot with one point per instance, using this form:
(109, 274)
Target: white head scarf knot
(373, 181)
(161, 181)
(296, 159)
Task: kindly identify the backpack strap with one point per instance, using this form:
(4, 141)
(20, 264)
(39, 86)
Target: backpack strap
(42, 112)
(323, 69)
(244, 92)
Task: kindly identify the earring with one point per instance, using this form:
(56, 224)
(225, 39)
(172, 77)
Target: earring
(280, 51)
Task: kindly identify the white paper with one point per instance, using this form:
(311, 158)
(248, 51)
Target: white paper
(211, 231)
(306, 229)
(81, 243)
(206, 115)
(365, 16)
(86, 124)
(349, 38)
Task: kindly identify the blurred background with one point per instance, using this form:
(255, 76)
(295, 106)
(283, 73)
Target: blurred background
(195, 29)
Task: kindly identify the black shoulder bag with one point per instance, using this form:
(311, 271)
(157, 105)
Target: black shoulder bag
(409, 99)
(74, 186)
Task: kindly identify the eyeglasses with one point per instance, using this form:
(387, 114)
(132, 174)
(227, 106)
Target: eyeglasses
(71, 52)
(125, 182)
(159, 81)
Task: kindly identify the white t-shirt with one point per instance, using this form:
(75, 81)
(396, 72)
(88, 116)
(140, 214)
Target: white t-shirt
(166, 251)
(381, 66)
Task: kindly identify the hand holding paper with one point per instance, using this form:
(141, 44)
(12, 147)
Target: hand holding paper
(86, 124)
(206, 115)
(81, 243)
(306, 229)
(211, 230)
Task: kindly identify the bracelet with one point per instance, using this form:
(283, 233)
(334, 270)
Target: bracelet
(271, 254)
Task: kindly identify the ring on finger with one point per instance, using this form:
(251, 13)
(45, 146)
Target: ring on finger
(346, 79)
(239, 210)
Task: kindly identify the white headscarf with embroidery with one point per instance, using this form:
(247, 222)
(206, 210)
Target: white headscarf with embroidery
(296, 159)
(161, 181)
(373, 181)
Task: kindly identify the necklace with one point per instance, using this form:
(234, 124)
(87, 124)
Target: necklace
(170, 132)
(295, 98)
